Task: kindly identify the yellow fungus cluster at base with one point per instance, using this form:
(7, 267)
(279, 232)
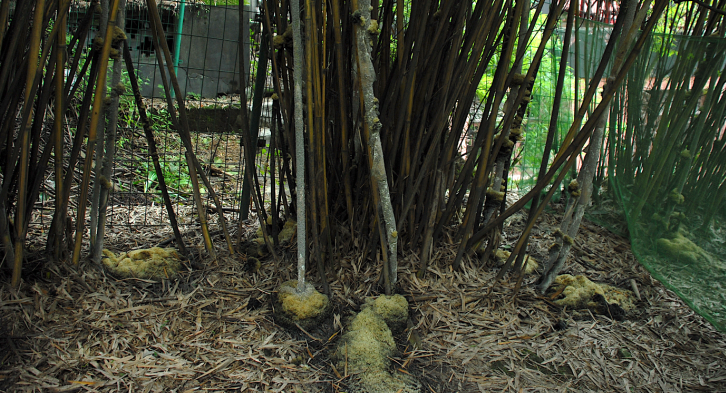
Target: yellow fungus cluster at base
(154, 263)
(301, 305)
(579, 291)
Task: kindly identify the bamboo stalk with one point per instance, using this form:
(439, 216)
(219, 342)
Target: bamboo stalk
(298, 54)
(186, 139)
(378, 170)
(153, 152)
(244, 117)
(106, 169)
(58, 124)
(484, 167)
(34, 47)
(100, 153)
(184, 133)
(552, 129)
(4, 12)
(98, 103)
(345, 153)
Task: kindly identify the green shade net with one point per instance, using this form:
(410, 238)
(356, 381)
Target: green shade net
(664, 158)
(666, 162)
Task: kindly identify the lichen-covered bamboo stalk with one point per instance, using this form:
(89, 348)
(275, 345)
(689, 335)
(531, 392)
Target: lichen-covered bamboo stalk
(365, 28)
(299, 142)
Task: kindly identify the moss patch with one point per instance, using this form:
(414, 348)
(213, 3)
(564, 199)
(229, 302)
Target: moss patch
(392, 309)
(368, 344)
(683, 249)
(381, 381)
(306, 308)
(579, 292)
(154, 263)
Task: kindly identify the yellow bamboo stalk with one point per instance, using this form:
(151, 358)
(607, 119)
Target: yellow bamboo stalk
(34, 48)
(98, 104)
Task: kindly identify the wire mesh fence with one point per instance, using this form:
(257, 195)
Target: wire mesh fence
(204, 41)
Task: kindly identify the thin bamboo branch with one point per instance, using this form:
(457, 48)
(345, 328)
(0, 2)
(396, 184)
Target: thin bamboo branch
(153, 152)
(186, 139)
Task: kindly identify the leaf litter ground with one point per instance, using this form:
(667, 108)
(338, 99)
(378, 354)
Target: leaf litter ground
(80, 329)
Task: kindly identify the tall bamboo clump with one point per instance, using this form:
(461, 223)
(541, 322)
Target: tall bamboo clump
(27, 91)
(428, 57)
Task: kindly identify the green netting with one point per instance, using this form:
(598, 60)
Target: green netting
(666, 162)
(663, 166)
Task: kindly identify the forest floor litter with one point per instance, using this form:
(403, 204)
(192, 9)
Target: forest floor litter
(212, 329)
